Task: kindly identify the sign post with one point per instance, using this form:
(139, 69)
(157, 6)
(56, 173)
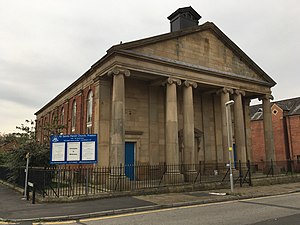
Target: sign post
(26, 175)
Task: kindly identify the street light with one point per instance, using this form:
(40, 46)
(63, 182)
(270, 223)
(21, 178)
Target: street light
(229, 138)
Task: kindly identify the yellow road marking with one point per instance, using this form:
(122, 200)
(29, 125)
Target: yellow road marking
(58, 222)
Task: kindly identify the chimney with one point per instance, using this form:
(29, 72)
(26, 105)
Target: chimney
(183, 18)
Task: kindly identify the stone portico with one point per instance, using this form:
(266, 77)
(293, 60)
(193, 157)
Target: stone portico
(151, 113)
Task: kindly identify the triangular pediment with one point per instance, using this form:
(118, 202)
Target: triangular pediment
(205, 47)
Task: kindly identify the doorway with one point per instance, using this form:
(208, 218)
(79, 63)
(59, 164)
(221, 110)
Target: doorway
(129, 160)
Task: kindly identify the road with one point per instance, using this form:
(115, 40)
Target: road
(275, 210)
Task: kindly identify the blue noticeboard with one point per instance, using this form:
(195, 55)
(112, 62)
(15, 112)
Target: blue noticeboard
(73, 149)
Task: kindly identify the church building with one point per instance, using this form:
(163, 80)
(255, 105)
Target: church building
(162, 99)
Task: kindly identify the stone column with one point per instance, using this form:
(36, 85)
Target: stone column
(154, 125)
(105, 106)
(117, 138)
(188, 130)
(239, 126)
(172, 151)
(268, 129)
(248, 128)
(225, 97)
(117, 178)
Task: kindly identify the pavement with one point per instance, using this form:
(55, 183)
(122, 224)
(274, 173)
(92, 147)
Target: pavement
(14, 209)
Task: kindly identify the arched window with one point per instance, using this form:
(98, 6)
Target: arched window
(89, 112)
(53, 119)
(73, 122)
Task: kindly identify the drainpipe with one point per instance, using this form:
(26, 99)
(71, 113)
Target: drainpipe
(286, 138)
(289, 138)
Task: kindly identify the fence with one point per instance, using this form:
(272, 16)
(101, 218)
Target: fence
(74, 180)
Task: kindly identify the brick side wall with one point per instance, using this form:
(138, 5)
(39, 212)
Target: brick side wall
(294, 135)
(81, 110)
(258, 143)
(281, 147)
(278, 131)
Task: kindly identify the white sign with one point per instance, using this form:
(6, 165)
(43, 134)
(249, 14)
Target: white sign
(58, 151)
(88, 150)
(73, 151)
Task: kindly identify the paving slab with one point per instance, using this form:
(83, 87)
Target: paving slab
(12, 207)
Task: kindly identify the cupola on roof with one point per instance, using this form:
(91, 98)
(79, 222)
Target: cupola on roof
(184, 18)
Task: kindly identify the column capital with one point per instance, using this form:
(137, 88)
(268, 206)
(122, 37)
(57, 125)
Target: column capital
(239, 92)
(117, 70)
(171, 80)
(188, 83)
(266, 97)
(225, 90)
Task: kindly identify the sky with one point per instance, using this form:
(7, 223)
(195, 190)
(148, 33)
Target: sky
(45, 45)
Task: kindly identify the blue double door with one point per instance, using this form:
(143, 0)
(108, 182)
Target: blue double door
(129, 160)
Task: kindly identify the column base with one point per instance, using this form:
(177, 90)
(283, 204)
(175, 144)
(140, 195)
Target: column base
(118, 182)
(271, 169)
(173, 178)
(190, 175)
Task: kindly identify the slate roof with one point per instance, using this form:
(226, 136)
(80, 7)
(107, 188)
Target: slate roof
(289, 106)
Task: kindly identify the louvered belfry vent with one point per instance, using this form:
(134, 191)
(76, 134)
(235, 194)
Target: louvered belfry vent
(184, 18)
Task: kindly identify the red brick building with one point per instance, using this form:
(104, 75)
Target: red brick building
(286, 130)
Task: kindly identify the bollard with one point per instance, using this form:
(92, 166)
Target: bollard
(32, 186)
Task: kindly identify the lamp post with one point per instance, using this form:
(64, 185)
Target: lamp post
(229, 138)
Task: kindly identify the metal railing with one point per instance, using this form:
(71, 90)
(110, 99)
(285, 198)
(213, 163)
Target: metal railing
(78, 180)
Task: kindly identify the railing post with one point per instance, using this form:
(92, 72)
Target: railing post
(58, 182)
(33, 194)
(290, 167)
(240, 173)
(44, 181)
(27, 191)
(272, 168)
(87, 181)
(249, 169)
